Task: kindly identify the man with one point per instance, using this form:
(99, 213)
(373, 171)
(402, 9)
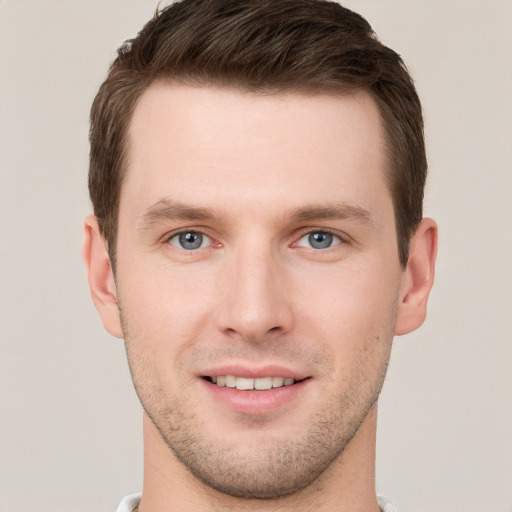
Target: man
(257, 173)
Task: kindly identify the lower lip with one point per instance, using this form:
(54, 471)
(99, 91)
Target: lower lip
(255, 401)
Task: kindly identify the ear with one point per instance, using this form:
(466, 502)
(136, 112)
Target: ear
(417, 278)
(100, 276)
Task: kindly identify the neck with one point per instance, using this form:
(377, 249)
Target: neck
(347, 484)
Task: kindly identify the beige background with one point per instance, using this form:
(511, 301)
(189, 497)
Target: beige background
(70, 429)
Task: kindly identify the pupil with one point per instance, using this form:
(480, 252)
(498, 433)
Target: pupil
(320, 240)
(191, 240)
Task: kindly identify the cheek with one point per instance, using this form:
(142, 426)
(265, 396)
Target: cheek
(351, 310)
(164, 314)
(161, 295)
(350, 295)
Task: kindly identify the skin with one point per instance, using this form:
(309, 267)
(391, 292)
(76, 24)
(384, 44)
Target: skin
(256, 175)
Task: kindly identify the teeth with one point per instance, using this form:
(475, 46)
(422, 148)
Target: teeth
(277, 382)
(263, 383)
(230, 381)
(242, 383)
(245, 383)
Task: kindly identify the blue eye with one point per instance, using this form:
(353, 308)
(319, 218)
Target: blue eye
(190, 240)
(319, 240)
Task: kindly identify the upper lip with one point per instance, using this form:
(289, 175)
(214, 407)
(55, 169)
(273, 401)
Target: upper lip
(254, 372)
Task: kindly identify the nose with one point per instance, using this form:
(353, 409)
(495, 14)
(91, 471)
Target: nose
(256, 300)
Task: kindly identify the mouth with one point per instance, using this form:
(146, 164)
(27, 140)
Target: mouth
(256, 391)
(252, 384)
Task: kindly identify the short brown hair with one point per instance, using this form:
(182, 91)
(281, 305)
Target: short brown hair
(263, 46)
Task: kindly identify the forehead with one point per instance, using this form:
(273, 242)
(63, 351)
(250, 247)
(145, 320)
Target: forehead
(249, 146)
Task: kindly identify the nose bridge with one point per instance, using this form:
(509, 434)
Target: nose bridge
(255, 299)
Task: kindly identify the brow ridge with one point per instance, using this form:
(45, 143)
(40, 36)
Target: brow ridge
(341, 211)
(166, 209)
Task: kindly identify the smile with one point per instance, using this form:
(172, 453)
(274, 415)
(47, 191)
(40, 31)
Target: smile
(249, 384)
(255, 391)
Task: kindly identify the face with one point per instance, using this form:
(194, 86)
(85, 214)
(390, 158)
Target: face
(258, 279)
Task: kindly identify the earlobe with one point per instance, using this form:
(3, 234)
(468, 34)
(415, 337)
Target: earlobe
(417, 278)
(100, 276)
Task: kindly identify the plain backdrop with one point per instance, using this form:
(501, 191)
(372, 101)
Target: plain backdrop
(70, 423)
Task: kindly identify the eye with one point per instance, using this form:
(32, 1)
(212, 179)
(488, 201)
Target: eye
(319, 240)
(190, 240)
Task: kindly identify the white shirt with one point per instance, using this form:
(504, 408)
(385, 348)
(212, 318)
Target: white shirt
(129, 502)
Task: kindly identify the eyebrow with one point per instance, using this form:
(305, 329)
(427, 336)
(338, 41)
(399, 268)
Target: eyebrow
(339, 211)
(167, 209)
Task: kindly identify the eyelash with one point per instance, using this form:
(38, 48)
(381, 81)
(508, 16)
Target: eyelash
(169, 238)
(323, 231)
